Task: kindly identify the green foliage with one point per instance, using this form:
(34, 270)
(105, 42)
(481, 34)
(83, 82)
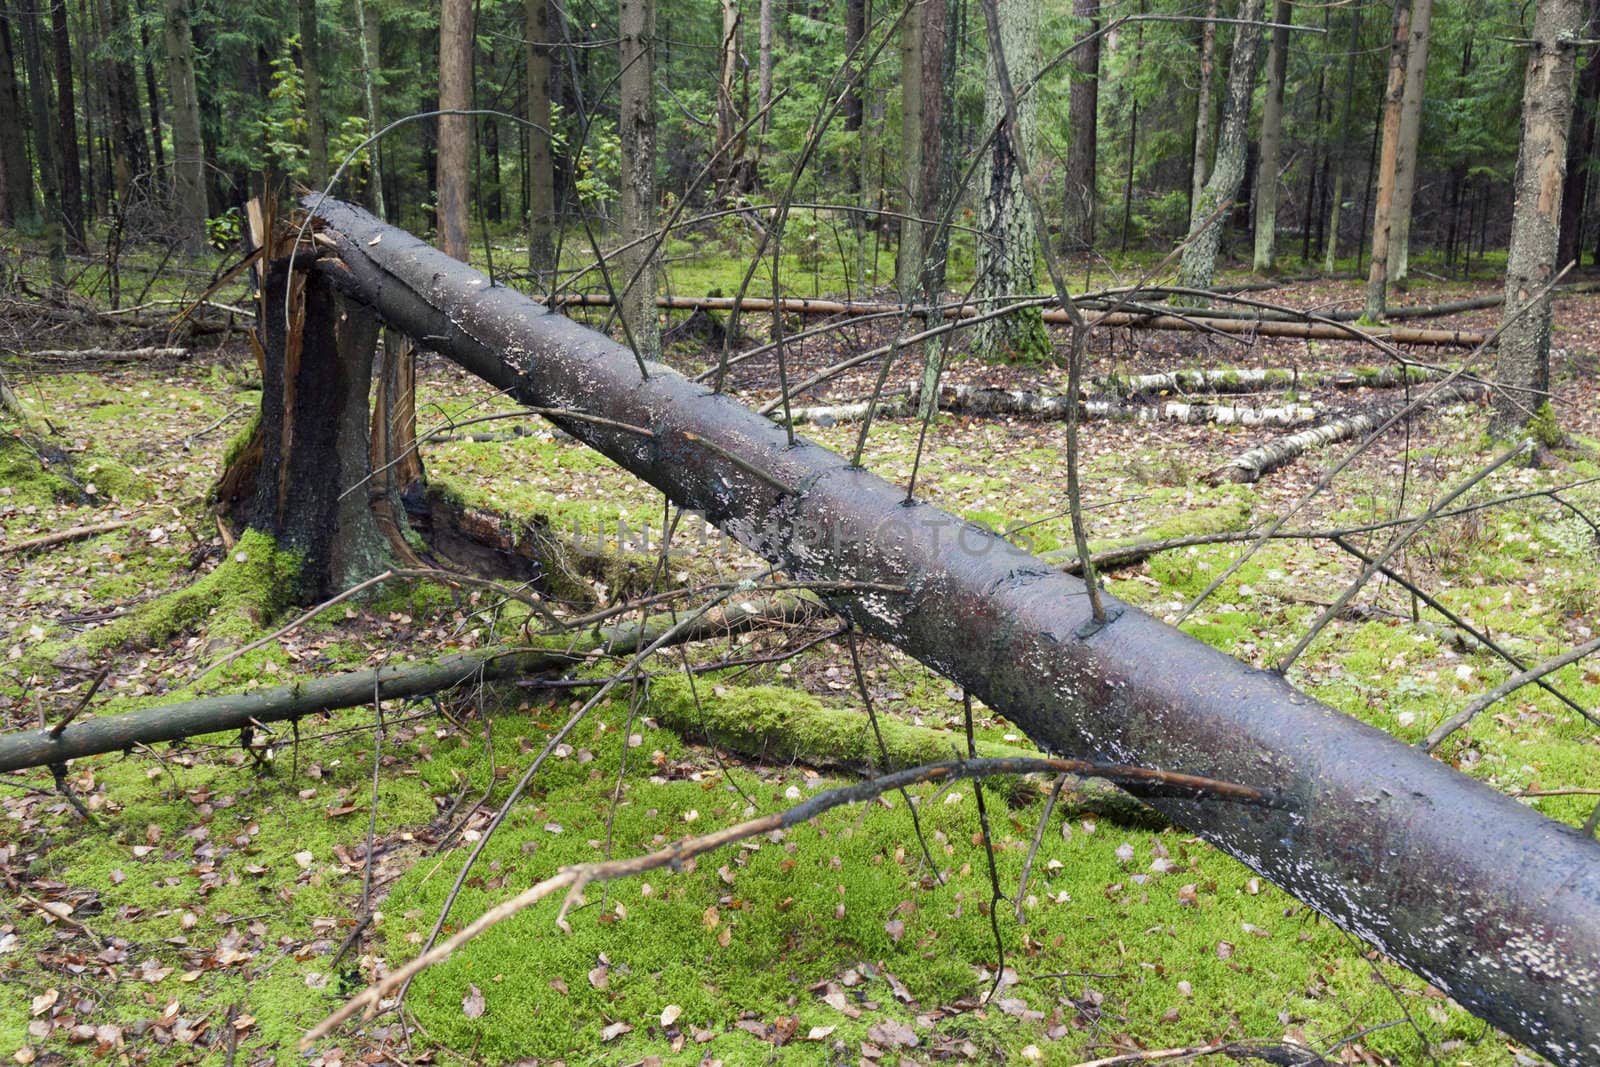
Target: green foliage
(283, 126)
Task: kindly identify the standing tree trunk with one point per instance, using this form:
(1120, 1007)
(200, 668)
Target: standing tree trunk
(39, 103)
(188, 151)
(1523, 364)
(455, 131)
(153, 94)
(367, 39)
(855, 30)
(764, 66)
(1405, 174)
(1575, 197)
(733, 172)
(941, 141)
(1083, 121)
(908, 254)
(66, 128)
(636, 24)
(16, 173)
(541, 172)
(1383, 210)
(311, 64)
(1206, 221)
(1198, 171)
(132, 156)
(1341, 157)
(1271, 140)
(1006, 243)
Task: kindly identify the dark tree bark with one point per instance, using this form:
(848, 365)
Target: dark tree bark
(541, 171)
(16, 173)
(855, 31)
(310, 447)
(311, 71)
(39, 108)
(1343, 153)
(1083, 122)
(1493, 902)
(152, 94)
(132, 159)
(66, 129)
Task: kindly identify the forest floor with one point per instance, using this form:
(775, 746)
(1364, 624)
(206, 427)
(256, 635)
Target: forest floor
(195, 915)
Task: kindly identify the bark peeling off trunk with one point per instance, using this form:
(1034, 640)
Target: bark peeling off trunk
(1493, 902)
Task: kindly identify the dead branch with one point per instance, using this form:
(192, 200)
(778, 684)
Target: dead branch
(1506, 688)
(234, 711)
(75, 533)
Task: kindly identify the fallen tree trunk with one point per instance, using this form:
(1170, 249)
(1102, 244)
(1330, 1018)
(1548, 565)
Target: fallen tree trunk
(1496, 904)
(1021, 403)
(1251, 324)
(1257, 379)
(236, 711)
(1251, 465)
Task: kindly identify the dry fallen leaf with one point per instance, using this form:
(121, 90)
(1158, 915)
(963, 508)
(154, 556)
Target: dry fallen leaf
(472, 1004)
(45, 1001)
(614, 1031)
(669, 1014)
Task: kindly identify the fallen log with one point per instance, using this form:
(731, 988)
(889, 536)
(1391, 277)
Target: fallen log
(1253, 324)
(1251, 465)
(1311, 331)
(1493, 902)
(979, 401)
(1257, 379)
(110, 355)
(236, 711)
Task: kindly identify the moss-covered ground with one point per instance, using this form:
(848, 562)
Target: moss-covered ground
(196, 916)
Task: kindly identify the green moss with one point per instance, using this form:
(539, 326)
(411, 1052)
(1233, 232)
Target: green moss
(113, 480)
(1544, 428)
(240, 441)
(250, 586)
(29, 480)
